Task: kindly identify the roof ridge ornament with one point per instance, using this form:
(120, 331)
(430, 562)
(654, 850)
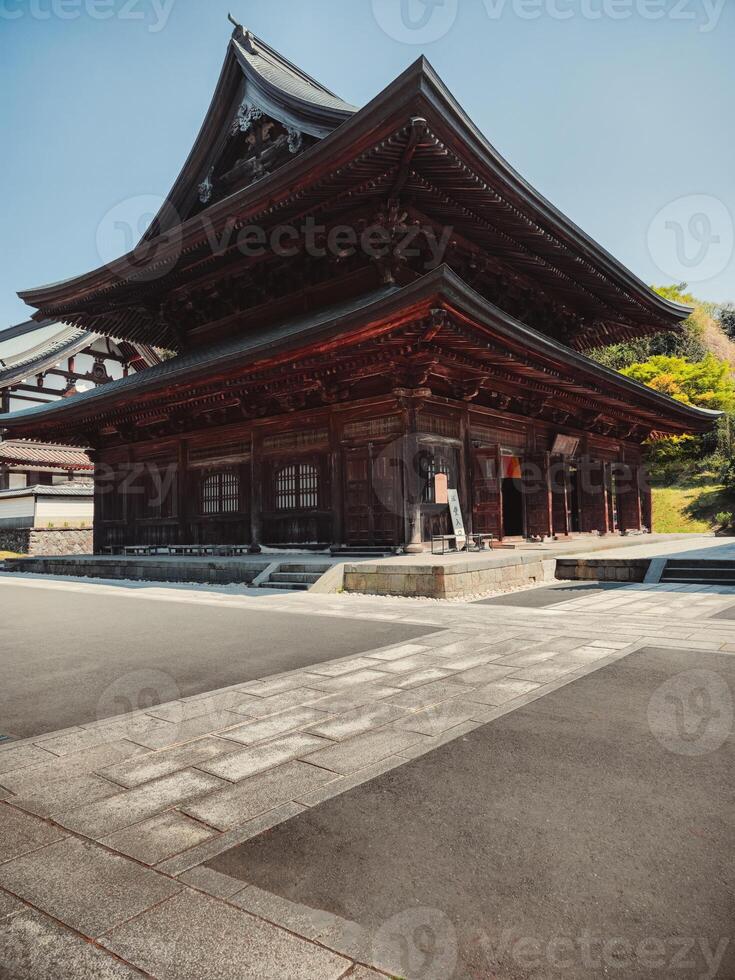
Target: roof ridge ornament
(243, 36)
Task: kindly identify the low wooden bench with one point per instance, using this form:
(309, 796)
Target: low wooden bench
(472, 542)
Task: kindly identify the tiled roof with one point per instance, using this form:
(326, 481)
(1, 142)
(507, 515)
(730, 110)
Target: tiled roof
(279, 72)
(60, 490)
(18, 453)
(66, 343)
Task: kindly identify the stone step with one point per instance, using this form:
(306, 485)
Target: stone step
(694, 571)
(700, 563)
(371, 550)
(287, 586)
(308, 577)
(312, 567)
(693, 580)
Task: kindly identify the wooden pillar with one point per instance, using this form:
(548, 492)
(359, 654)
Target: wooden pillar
(537, 492)
(592, 496)
(644, 490)
(97, 542)
(629, 498)
(467, 470)
(410, 400)
(414, 537)
(184, 496)
(256, 496)
(336, 480)
(559, 479)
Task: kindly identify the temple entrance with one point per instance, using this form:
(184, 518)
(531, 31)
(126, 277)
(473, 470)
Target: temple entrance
(373, 502)
(511, 489)
(512, 507)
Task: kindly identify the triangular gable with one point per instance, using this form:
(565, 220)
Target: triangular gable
(264, 112)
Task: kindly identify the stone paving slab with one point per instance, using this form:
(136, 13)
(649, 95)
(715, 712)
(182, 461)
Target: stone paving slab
(301, 919)
(60, 795)
(363, 750)
(231, 806)
(28, 780)
(158, 838)
(194, 937)
(171, 734)
(26, 756)
(179, 711)
(84, 886)
(152, 765)
(130, 806)
(432, 693)
(34, 947)
(237, 835)
(500, 691)
(277, 703)
(257, 758)
(278, 724)
(212, 882)
(9, 905)
(358, 720)
(439, 717)
(20, 833)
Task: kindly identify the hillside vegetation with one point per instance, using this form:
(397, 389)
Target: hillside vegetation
(693, 478)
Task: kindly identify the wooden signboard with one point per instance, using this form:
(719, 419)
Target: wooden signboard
(456, 514)
(440, 489)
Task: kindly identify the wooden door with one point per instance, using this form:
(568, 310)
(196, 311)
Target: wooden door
(373, 502)
(486, 494)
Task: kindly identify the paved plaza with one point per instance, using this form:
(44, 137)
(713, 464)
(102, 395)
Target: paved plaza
(447, 803)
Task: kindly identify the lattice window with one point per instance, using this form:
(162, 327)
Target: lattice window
(221, 492)
(297, 487)
(431, 463)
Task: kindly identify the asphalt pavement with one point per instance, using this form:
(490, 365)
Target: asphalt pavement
(69, 658)
(587, 834)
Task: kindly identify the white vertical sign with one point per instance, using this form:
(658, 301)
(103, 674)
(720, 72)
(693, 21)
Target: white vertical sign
(456, 513)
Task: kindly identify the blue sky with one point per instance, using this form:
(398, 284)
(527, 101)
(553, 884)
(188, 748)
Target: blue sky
(621, 114)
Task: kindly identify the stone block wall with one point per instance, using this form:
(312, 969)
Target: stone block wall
(46, 541)
(445, 581)
(602, 569)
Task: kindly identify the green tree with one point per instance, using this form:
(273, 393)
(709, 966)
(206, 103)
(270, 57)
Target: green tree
(706, 383)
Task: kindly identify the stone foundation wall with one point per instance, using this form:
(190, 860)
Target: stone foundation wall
(602, 569)
(224, 572)
(46, 541)
(445, 581)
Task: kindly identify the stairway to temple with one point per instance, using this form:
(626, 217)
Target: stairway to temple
(295, 577)
(364, 551)
(691, 571)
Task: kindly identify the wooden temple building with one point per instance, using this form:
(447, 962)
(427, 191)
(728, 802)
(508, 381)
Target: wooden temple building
(41, 363)
(358, 300)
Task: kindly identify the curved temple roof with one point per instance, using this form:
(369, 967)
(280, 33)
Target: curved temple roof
(341, 325)
(454, 169)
